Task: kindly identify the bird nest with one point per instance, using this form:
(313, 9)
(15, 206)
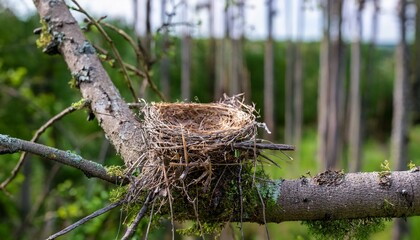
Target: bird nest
(186, 143)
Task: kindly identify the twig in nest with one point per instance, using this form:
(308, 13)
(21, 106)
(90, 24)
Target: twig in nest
(261, 145)
(85, 219)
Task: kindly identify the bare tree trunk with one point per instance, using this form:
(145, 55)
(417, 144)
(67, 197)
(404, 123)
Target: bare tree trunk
(416, 67)
(298, 81)
(211, 62)
(370, 67)
(234, 86)
(289, 77)
(186, 58)
(289, 93)
(135, 14)
(354, 134)
(148, 40)
(331, 87)
(223, 57)
(400, 118)
(244, 81)
(269, 74)
(164, 63)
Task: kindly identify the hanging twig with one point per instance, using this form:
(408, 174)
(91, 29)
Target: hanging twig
(132, 228)
(85, 219)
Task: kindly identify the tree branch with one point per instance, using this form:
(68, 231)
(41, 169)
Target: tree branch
(89, 168)
(85, 219)
(328, 196)
(34, 139)
(115, 118)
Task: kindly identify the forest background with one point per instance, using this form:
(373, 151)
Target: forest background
(286, 79)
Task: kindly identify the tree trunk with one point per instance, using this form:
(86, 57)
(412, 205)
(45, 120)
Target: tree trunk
(331, 87)
(354, 133)
(289, 93)
(400, 118)
(185, 72)
(416, 67)
(211, 61)
(298, 80)
(164, 63)
(186, 58)
(289, 115)
(269, 75)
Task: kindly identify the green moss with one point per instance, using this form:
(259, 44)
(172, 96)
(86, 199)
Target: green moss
(72, 82)
(202, 229)
(346, 228)
(45, 36)
(115, 170)
(118, 193)
(79, 104)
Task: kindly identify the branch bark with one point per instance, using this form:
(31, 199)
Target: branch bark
(331, 196)
(113, 114)
(89, 168)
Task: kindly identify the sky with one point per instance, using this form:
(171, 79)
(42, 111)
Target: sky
(285, 22)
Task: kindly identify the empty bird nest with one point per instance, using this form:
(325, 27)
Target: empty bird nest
(188, 144)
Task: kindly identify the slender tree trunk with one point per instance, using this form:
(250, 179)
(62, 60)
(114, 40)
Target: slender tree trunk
(331, 88)
(186, 58)
(211, 61)
(135, 14)
(298, 80)
(354, 134)
(269, 74)
(289, 92)
(400, 119)
(223, 56)
(164, 63)
(289, 79)
(148, 40)
(416, 67)
(370, 69)
(323, 96)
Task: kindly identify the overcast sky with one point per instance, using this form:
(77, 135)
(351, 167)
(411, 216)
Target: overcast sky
(285, 23)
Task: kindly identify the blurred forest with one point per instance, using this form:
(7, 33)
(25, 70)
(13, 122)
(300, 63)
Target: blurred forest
(345, 103)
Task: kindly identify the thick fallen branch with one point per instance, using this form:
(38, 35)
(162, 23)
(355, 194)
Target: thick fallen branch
(89, 168)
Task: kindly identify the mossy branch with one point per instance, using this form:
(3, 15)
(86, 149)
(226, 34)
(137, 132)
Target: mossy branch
(89, 168)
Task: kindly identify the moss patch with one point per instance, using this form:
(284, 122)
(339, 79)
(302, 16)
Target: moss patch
(346, 228)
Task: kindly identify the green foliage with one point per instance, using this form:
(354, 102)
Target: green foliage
(345, 229)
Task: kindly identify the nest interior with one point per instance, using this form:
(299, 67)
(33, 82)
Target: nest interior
(189, 143)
